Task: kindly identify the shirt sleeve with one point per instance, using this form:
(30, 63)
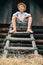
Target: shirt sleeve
(27, 14)
(15, 14)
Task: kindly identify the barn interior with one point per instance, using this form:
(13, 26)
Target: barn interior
(7, 8)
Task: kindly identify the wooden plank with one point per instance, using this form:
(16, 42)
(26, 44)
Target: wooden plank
(38, 34)
(24, 39)
(4, 28)
(34, 44)
(20, 39)
(39, 45)
(21, 33)
(20, 48)
(39, 40)
(3, 33)
(4, 25)
(27, 33)
(6, 51)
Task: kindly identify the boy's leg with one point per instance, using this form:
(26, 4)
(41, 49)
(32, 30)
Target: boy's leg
(29, 25)
(13, 24)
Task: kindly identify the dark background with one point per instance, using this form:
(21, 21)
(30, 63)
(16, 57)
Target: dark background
(35, 7)
(15, 2)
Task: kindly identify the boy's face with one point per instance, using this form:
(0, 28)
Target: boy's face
(21, 8)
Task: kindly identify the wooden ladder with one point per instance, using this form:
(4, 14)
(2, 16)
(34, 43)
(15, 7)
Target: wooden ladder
(19, 37)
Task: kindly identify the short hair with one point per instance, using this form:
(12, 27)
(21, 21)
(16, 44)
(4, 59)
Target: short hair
(21, 4)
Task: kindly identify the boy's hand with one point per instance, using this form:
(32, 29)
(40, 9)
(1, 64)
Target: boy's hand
(19, 19)
(22, 19)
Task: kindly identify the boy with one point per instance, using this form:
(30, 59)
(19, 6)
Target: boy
(21, 16)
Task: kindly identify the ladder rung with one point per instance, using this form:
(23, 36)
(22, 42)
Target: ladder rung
(20, 39)
(26, 33)
(20, 48)
(20, 33)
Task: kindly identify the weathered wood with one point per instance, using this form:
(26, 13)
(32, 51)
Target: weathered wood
(6, 51)
(3, 34)
(24, 39)
(39, 40)
(26, 33)
(20, 39)
(34, 44)
(21, 33)
(6, 25)
(4, 28)
(20, 48)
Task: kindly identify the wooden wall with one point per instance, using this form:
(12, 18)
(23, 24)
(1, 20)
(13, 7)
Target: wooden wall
(5, 11)
(35, 10)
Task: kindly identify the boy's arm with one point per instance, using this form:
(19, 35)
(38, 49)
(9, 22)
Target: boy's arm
(16, 15)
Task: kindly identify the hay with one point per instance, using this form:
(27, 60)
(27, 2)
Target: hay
(28, 60)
